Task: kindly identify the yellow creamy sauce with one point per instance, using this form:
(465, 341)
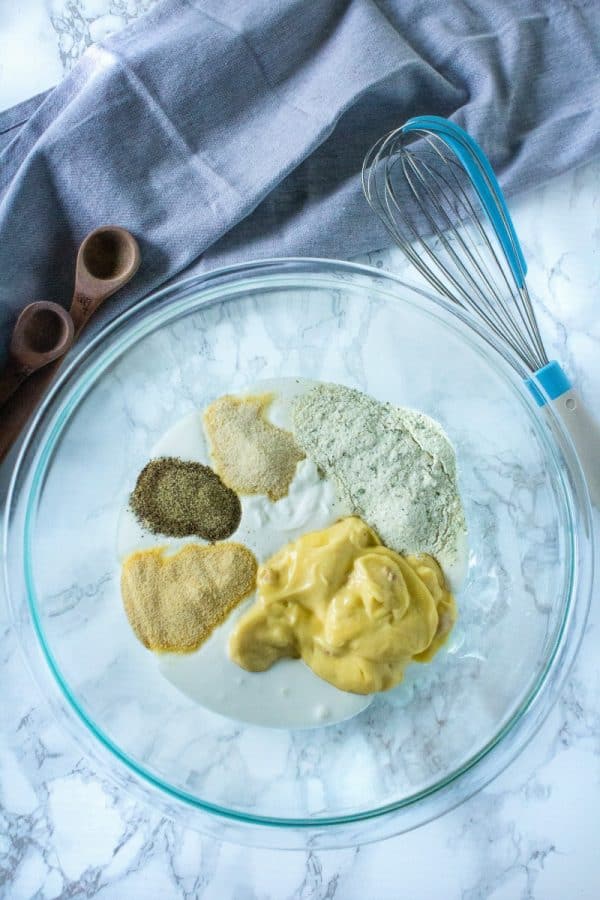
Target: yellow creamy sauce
(356, 612)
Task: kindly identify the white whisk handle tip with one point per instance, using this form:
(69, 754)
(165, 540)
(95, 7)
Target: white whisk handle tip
(583, 429)
(585, 434)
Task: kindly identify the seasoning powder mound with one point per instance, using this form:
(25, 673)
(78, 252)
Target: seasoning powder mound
(173, 603)
(396, 467)
(181, 498)
(251, 455)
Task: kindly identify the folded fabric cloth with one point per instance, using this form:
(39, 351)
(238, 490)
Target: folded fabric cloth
(218, 131)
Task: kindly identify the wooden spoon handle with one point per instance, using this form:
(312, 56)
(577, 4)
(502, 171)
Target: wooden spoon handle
(11, 377)
(82, 309)
(19, 407)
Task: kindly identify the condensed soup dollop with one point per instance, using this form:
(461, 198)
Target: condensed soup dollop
(355, 611)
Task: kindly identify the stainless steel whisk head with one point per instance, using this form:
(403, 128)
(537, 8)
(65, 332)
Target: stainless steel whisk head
(453, 226)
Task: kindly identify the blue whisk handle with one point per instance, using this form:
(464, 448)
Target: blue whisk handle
(484, 181)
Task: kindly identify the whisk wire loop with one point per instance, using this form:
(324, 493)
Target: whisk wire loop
(434, 210)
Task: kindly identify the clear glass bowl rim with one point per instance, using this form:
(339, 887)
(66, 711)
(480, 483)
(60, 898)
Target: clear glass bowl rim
(162, 306)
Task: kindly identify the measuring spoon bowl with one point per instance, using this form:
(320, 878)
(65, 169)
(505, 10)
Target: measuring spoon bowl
(107, 259)
(42, 334)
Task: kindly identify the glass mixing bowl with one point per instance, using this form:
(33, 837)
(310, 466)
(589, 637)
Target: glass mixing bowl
(417, 750)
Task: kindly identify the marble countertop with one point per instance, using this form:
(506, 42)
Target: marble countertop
(532, 833)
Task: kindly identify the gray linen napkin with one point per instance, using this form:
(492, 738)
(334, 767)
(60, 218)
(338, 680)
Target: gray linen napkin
(221, 130)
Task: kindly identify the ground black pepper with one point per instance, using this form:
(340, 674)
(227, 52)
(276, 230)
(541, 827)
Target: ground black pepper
(180, 498)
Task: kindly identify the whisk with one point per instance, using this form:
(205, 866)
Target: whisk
(429, 177)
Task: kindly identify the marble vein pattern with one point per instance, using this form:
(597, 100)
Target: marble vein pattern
(79, 23)
(56, 33)
(66, 831)
(532, 833)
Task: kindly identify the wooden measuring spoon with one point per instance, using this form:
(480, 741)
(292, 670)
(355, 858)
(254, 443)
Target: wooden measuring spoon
(107, 259)
(44, 331)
